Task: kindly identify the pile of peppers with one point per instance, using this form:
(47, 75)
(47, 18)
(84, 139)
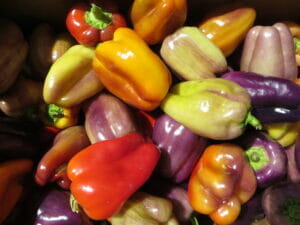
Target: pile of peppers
(142, 114)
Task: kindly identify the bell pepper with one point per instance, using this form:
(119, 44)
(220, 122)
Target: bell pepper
(91, 24)
(14, 49)
(284, 133)
(192, 55)
(295, 30)
(180, 148)
(214, 108)
(221, 182)
(153, 20)
(125, 63)
(12, 174)
(266, 157)
(105, 174)
(18, 139)
(145, 209)
(293, 165)
(59, 117)
(269, 50)
(24, 93)
(46, 46)
(54, 207)
(52, 165)
(281, 203)
(71, 79)
(228, 27)
(107, 117)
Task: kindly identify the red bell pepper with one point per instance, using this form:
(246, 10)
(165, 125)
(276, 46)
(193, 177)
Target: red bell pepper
(105, 174)
(92, 23)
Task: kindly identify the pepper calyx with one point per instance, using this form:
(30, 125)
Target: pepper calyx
(253, 121)
(54, 112)
(74, 204)
(258, 157)
(98, 18)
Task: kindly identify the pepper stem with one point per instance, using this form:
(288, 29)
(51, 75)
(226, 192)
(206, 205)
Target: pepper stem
(258, 158)
(296, 44)
(54, 112)
(98, 18)
(74, 204)
(253, 121)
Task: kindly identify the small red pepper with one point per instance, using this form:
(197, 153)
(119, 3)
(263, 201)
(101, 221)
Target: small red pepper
(92, 23)
(105, 174)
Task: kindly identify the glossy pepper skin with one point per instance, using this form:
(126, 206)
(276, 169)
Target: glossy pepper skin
(55, 209)
(125, 63)
(105, 174)
(228, 28)
(266, 157)
(180, 148)
(107, 117)
(71, 79)
(145, 209)
(153, 20)
(192, 55)
(267, 91)
(221, 182)
(52, 166)
(281, 203)
(212, 108)
(14, 49)
(92, 23)
(269, 50)
(12, 173)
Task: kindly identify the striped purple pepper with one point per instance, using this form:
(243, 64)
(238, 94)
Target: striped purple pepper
(180, 148)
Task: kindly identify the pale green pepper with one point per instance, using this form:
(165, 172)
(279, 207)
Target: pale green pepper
(212, 108)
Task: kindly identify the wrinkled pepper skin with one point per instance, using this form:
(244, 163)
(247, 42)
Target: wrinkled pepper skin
(267, 91)
(229, 28)
(105, 174)
(11, 188)
(96, 22)
(221, 182)
(281, 203)
(145, 209)
(283, 133)
(266, 157)
(107, 117)
(212, 108)
(55, 209)
(192, 55)
(18, 139)
(24, 93)
(46, 46)
(125, 63)
(14, 49)
(66, 144)
(180, 148)
(71, 79)
(269, 50)
(153, 20)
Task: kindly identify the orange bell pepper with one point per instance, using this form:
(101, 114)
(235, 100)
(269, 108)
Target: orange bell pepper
(228, 29)
(221, 181)
(153, 20)
(129, 69)
(11, 189)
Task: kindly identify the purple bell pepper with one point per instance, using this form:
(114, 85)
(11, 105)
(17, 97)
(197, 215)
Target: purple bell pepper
(180, 148)
(281, 204)
(55, 209)
(266, 157)
(267, 91)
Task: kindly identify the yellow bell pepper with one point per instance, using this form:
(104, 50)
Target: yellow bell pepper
(228, 29)
(129, 69)
(153, 20)
(284, 133)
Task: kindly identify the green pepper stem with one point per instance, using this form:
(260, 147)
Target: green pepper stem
(296, 44)
(253, 121)
(74, 204)
(98, 18)
(258, 158)
(54, 112)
